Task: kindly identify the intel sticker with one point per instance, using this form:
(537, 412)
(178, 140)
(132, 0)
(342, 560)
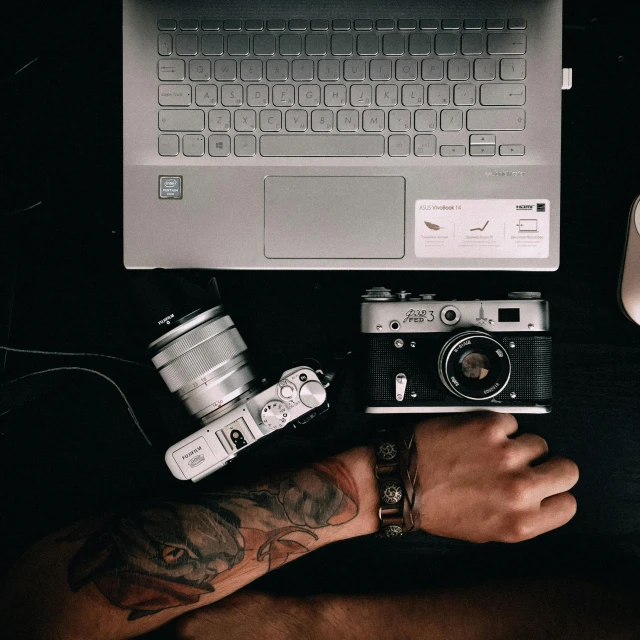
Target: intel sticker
(171, 187)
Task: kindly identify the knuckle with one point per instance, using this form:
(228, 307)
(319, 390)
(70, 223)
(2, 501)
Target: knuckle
(508, 456)
(494, 425)
(517, 490)
(517, 529)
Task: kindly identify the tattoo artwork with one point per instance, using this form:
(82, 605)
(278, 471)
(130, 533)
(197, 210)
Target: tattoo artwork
(170, 554)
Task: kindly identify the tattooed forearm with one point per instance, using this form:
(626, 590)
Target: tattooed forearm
(171, 554)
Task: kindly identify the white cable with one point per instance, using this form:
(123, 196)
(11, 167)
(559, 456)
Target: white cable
(131, 412)
(70, 353)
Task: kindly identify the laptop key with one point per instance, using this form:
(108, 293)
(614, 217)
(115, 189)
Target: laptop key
(425, 120)
(193, 145)
(484, 69)
(380, 70)
(206, 95)
(187, 44)
(399, 120)
(264, 45)
(446, 44)
(393, 44)
(212, 45)
(502, 94)
(342, 44)
(167, 25)
(495, 119)
(387, 95)
(245, 145)
(284, 95)
(513, 69)
(406, 69)
(295, 120)
(471, 44)
(302, 70)
(171, 69)
(258, 95)
(181, 120)
(452, 150)
(464, 94)
(245, 120)
(354, 69)
(412, 95)
(419, 44)
(290, 44)
(347, 120)
(219, 120)
(322, 120)
(174, 95)
(238, 45)
(319, 145)
(199, 70)
(425, 145)
(225, 70)
(368, 44)
(505, 43)
(373, 120)
(309, 95)
(451, 120)
(315, 44)
(270, 120)
(168, 144)
(335, 95)
(432, 69)
(251, 70)
(328, 70)
(165, 44)
(399, 145)
(231, 95)
(277, 70)
(361, 95)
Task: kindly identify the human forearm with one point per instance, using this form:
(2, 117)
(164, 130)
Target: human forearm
(511, 610)
(132, 572)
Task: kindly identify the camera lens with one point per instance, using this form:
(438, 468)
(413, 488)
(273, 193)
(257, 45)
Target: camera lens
(195, 346)
(474, 366)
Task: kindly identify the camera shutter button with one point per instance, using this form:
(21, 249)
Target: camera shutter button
(286, 392)
(312, 394)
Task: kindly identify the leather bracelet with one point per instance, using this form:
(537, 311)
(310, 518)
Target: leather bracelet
(395, 471)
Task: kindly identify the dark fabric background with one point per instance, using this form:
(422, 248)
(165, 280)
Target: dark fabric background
(69, 445)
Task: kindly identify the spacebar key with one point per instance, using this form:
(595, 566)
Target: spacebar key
(495, 119)
(322, 145)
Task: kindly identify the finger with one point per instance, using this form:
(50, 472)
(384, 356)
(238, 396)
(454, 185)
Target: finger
(554, 476)
(555, 512)
(528, 447)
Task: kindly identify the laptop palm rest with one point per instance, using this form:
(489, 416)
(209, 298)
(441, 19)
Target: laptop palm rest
(334, 217)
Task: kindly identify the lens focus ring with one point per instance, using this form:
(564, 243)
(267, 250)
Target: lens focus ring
(210, 355)
(190, 340)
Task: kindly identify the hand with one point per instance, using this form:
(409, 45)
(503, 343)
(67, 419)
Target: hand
(478, 484)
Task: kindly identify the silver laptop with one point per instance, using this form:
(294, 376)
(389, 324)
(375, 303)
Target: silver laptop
(353, 135)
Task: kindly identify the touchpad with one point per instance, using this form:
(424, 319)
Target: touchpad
(333, 217)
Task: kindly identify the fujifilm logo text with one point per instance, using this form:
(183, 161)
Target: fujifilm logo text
(188, 455)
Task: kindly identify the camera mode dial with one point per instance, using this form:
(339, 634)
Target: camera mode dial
(275, 414)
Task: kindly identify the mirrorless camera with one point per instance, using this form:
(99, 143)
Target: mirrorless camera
(204, 361)
(423, 355)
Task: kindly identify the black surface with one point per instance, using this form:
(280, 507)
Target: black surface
(69, 444)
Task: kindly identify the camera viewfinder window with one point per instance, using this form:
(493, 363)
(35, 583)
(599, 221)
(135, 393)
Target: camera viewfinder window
(508, 315)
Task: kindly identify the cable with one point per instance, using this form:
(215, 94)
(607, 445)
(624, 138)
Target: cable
(86, 370)
(70, 353)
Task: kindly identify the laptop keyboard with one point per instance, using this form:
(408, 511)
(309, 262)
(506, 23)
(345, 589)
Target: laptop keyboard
(341, 88)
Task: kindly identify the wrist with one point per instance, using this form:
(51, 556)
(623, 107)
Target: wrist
(360, 463)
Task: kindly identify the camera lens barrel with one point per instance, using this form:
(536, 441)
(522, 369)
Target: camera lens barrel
(474, 366)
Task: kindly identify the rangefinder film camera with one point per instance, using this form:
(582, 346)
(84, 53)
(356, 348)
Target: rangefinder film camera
(203, 360)
(428, 356)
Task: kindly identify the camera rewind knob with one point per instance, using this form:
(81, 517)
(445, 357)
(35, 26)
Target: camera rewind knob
(312, 394)
(378, 294)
